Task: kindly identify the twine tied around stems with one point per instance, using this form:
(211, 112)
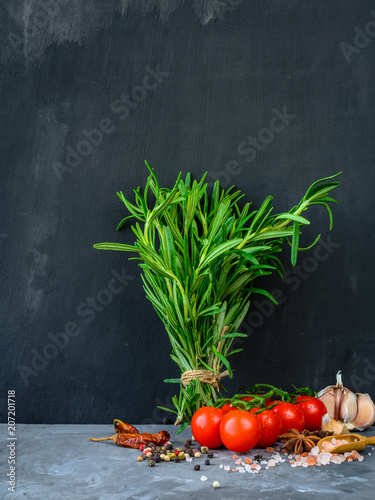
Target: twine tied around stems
(207, 376)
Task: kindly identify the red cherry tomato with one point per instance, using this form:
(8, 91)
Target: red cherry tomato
(239, 430)
(271, 427)
(228, 407)
(292, 417)
(205, 426)
(313, 409)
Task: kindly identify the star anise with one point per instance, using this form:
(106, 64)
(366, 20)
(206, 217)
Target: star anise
(297, 442)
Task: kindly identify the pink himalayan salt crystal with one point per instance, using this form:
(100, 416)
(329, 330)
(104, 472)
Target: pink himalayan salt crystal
(315, 451)
(328, 445)
(323, 458)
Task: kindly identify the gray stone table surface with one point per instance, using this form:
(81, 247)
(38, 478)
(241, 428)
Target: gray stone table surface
(58, 462)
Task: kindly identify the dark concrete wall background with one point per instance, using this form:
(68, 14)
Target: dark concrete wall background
(223, 68)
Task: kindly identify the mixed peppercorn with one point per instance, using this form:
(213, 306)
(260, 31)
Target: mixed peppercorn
(155, 454)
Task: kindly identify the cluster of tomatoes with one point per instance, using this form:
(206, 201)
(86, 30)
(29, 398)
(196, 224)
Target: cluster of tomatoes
(241, 430)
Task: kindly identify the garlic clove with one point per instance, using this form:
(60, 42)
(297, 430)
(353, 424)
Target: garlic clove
(339, 392)
(365, 413)
(327, 396)
(348, 406)
(333, 425)
(332, 396)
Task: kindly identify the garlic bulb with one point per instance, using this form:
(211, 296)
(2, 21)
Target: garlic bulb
(356, 411)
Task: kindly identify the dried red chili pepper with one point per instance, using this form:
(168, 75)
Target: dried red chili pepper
(128, 440)
(121, 426)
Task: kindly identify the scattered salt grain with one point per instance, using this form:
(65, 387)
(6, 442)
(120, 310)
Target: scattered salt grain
(188, 459)
(368, 453)
(271, 462)
(221, 466)
(226, 467)
(203, 478)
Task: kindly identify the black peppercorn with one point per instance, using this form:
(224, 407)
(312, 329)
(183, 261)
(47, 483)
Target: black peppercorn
(168, 446)
(207, 461)
(176, 459)
(210, 455)
(258, 457)
(157, 458)
(197, 467)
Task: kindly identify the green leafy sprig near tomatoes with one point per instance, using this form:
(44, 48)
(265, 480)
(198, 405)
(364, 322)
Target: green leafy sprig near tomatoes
(264, 397)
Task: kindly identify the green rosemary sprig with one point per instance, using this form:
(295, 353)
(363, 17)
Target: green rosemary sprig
(200, 255)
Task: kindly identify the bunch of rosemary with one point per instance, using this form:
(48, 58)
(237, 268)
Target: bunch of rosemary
(200, 255)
